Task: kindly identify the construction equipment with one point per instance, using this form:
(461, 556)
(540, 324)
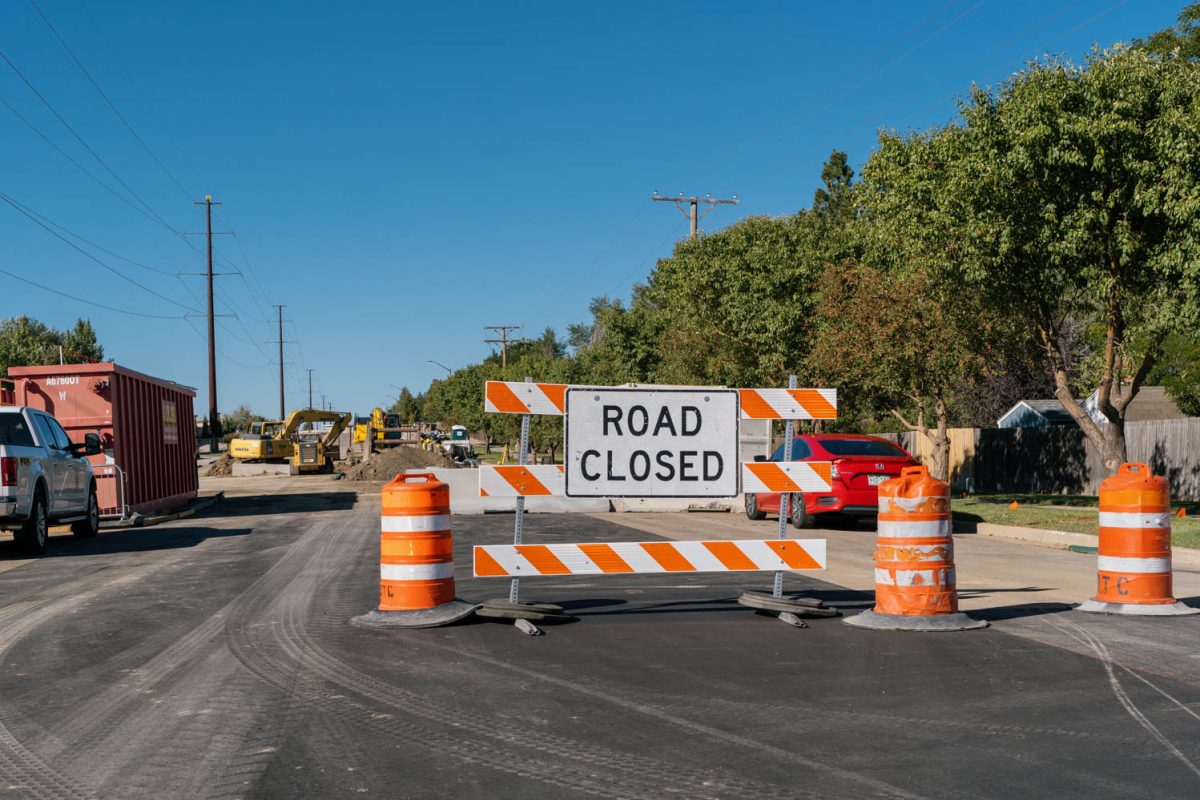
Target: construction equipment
(383, 424)
(263, 442)
(315, 449)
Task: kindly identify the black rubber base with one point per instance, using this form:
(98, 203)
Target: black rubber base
(903, 622)
(536, 612)
(445, 614)
(800, 606)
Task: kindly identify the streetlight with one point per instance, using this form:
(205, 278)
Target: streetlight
(443, 366)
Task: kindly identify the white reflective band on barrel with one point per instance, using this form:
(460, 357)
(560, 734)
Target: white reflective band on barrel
(915, 577)
(1145, 565)
(416, 572)
(892, 529)
(436, 522)
(1119, 519)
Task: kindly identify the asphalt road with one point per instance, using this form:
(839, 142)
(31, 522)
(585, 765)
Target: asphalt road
(211, 658)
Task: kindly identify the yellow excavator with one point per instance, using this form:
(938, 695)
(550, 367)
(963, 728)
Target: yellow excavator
(262, 442)
(315, 449)
(378, 420)
(309, 450)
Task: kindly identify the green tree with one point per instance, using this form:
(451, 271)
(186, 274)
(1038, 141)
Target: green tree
(834, 200)
(80, 343)
(1182, 38)
(408, 406)
(239, 419)
(26, 342)
(1067, 196)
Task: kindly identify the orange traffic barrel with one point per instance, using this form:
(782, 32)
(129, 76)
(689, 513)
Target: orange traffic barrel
(1134, 557)
(914, 559)
(416, 556)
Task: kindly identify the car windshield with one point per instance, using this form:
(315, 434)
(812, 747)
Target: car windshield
(862, 447)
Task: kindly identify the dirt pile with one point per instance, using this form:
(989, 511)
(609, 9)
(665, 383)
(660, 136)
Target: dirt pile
(387, 464)
(220, 466)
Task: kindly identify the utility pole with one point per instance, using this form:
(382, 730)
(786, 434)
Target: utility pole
(502, 341)
(692, 212)
(282, 407)
(214, 418)
(310, 392)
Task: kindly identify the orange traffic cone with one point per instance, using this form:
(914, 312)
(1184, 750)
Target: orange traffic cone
(915, 587)
(1014, 505)
(1134, 556)
(416, 561)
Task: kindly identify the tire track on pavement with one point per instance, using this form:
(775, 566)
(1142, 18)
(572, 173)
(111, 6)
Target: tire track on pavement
(472, 737)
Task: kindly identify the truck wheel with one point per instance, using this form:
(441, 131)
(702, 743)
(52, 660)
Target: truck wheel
(752, 509)
(800, 517)
(89, 526)
(31, 538)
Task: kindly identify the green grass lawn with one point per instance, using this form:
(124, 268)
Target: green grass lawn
(1073, 514)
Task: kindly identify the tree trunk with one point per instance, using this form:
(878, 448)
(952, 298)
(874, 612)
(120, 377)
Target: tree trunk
(1108, 439)
(940, 439)
(1113, 448)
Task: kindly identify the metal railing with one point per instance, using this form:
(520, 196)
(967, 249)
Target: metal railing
(118, 475)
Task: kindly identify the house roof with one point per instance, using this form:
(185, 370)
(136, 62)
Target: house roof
(1153, 402)
(1051, 409)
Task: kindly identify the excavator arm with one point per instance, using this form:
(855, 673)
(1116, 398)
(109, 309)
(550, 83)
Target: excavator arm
(313, 415)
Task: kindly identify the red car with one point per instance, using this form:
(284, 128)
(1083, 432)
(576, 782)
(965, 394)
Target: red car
(860, 464)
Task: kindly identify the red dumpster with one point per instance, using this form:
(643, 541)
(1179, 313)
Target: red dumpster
(145, 423)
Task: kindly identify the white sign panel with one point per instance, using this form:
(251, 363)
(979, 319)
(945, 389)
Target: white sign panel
(651, 442)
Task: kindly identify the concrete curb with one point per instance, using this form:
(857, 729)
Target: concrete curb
(1180, 556)
(138, 521)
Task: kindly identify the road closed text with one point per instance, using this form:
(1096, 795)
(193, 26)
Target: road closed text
(651, 443)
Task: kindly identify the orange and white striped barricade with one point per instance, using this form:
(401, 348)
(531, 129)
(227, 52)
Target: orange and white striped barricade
(1134, 556)
(626, 558)
(788, 404)
(522, 480)
(525, 398)
(914, 559)
(786, 477)
(416, 557)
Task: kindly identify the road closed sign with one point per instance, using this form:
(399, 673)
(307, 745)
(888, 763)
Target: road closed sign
(651, 442)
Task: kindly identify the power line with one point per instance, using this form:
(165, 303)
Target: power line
(796, 116)
(107, 99)
(87, 146)
(79, 166)
(222, 353)
(33, 216)
(95, 246)
(86, 302)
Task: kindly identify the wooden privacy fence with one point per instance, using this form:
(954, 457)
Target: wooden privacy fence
(1059, 459)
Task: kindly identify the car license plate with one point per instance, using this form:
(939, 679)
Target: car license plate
(875, 480)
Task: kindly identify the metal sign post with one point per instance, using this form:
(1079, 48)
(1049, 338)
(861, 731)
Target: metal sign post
(514, 590)
(785, 499)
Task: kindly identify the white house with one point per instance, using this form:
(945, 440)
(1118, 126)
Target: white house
(1151, 403)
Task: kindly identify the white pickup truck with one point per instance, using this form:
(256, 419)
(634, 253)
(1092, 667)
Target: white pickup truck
(45, 480)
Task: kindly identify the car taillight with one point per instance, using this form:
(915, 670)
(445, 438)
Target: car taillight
(8, 471)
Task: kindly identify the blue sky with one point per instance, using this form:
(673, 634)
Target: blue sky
(400, 175)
